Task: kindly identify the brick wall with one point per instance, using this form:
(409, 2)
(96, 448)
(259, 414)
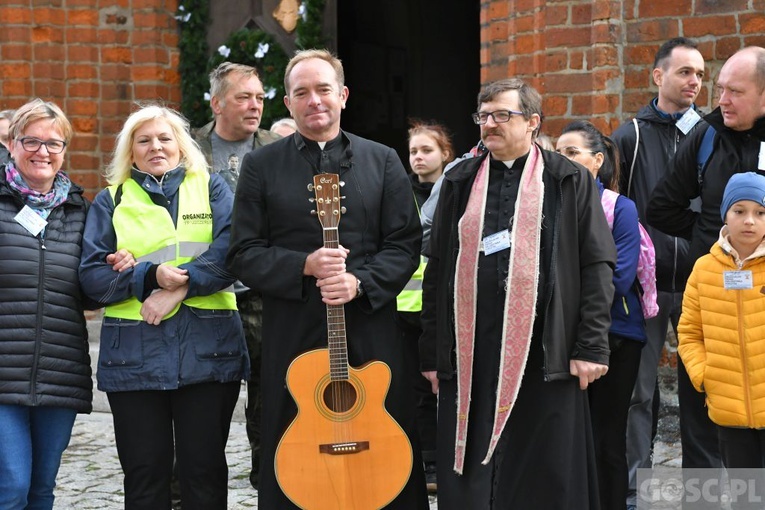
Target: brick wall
(95, 59)
(589, 58)
(593, 59)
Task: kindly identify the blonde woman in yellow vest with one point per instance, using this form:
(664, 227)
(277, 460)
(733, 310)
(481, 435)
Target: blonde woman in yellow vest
(172, 351)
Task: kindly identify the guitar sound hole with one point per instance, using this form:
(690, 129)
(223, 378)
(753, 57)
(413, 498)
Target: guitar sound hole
(339, 396)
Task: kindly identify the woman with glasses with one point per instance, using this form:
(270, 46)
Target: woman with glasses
(45, 377)
(610, 396)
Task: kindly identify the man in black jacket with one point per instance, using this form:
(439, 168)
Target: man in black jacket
(646, 144)
(516, 311)
(277, 250)
(738, 146)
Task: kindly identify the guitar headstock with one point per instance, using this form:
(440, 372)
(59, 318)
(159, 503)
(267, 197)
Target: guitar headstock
(326, 187)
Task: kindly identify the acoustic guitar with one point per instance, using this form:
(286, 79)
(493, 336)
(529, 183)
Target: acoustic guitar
(343, 450)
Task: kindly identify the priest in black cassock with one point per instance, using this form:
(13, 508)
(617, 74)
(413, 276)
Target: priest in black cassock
(277, 249)
(516, 311)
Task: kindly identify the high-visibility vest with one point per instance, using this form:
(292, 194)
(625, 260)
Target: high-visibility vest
(410, 299)
(147, 231)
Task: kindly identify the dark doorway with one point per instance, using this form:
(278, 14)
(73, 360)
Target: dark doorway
(410, 58)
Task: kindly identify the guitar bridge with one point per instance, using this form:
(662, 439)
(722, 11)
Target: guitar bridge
(344, 448)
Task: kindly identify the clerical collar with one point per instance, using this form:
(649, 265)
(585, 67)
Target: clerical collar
(324, 146)
(512, 163)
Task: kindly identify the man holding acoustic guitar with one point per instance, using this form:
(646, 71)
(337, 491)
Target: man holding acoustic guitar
(338, 413)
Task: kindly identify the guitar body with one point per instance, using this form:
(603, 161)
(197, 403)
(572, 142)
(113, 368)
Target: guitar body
(343, 450)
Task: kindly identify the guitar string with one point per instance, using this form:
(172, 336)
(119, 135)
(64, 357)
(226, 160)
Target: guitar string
(341, 390)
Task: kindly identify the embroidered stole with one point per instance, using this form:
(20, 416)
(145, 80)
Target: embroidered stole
(520, 297)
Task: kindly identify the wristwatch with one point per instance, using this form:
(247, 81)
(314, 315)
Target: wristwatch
(359, 289)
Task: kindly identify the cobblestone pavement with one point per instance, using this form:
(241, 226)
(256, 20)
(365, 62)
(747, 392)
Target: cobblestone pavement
(90, 476)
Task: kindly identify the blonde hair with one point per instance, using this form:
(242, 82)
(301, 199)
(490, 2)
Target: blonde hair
(192, 158)
(35, 110)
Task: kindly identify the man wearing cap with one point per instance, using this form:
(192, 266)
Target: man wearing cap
(738, 146)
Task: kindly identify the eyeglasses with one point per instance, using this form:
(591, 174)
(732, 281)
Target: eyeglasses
(571, 152)
(32, 144)
(500, 116)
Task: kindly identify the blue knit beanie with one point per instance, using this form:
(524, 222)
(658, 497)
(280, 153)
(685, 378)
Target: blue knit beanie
(743, 186)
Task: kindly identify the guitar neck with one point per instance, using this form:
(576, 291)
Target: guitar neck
(336, 339)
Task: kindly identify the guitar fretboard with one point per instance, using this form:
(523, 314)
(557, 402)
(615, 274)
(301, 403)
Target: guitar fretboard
(337, 342)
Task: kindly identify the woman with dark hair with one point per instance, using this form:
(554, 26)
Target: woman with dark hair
(610, 395)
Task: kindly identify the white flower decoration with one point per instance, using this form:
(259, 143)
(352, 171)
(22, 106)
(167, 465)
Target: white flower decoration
(207, 96)
(184, 18)
(181, 8)
(224, 50)
(262, 50)
(271, 93)
(303, 12)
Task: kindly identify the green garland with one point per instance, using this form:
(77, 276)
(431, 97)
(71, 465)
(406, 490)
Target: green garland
(251, 47)
(258, 49)
(193, 17)
(309, 28)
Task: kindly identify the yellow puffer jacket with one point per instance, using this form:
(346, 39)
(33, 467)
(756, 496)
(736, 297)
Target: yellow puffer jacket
(722, 337)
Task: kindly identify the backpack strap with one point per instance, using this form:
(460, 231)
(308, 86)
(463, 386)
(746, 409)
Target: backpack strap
(705, 151)
(608, 202)
(634, 156)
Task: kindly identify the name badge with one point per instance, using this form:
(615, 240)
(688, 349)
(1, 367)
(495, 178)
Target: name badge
(761, 161)
(496, 242)
(737, 280)
(689, 119)
(30, 220)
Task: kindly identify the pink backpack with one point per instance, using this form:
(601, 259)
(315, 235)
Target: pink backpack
(646, 268)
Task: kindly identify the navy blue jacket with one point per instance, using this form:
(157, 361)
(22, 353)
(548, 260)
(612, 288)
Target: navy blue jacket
(626, 311)
(194, 345)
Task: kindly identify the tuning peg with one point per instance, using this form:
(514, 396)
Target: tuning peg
(310, 187)
(313, 212)
(342, 183)
(312, 200)
(343, 197)
(342, 210)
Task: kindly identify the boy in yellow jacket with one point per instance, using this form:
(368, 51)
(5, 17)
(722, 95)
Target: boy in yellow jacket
(722, 327)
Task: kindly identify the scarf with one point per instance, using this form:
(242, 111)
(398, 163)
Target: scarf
(520, 298)
(41, 203)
